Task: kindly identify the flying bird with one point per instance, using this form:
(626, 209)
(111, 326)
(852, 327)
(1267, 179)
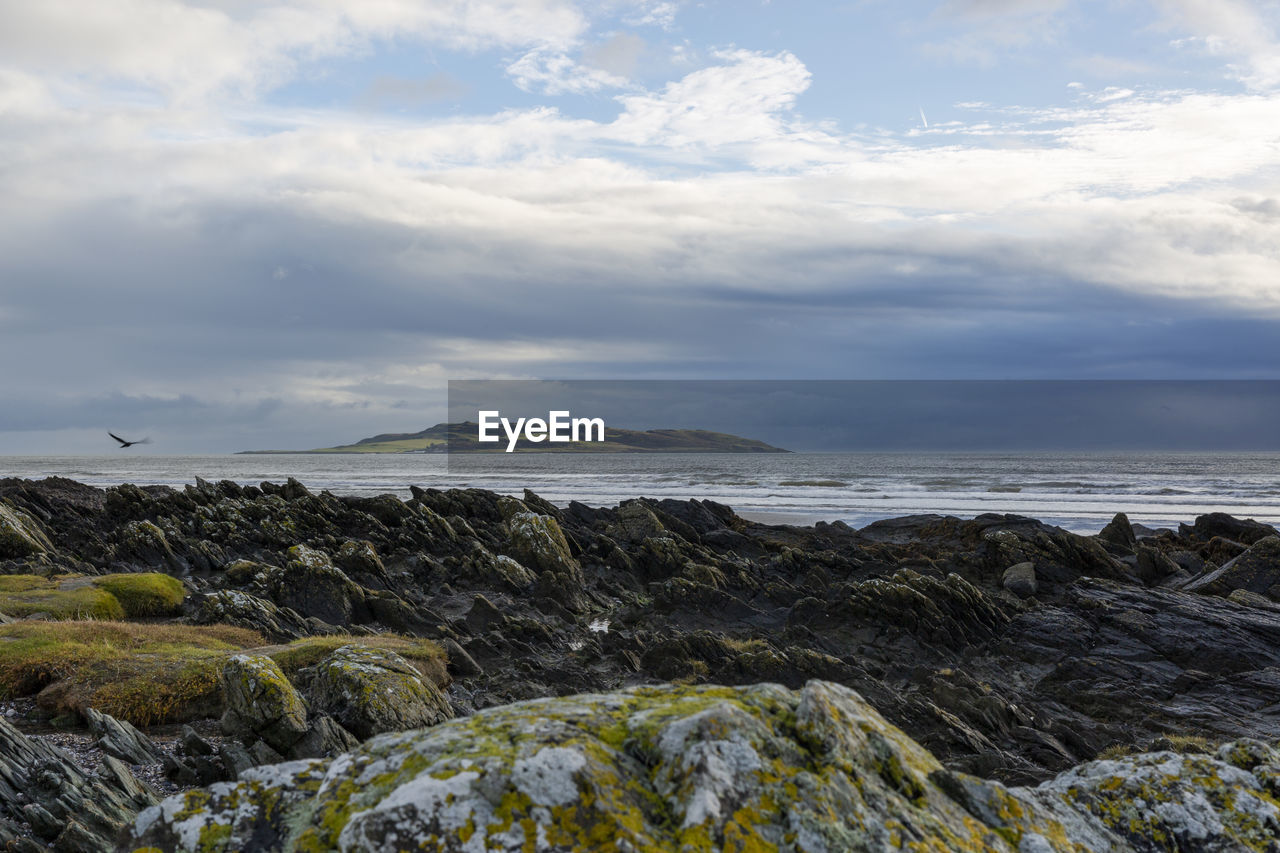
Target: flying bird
(124, 444)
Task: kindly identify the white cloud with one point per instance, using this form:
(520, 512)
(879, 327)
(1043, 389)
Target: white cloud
(1237, 29)
(188, 51)
(555, 73)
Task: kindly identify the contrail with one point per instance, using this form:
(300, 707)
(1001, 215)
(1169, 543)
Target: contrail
(923, 119)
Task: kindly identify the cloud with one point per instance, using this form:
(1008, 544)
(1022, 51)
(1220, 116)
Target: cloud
(190, 51)
(555, 73)
(1233, 28)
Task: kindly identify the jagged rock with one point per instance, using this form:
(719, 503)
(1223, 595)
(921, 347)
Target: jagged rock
(361, 558)
(537, 542)
(948, 610)
(67, 807)
(1256, 570)
(233, 607)
(669, 768)
(310, 584)
(20, 535)
(261, 703)
(1154, 567)
(1220, 524)
(1119, 532)
(324, 739)
(369, 691)
(484, 616)
(1021, 580)
(145, 542)
(461, 664)
(192, 744)
(120, 739)
(635, 522)
(498, 571)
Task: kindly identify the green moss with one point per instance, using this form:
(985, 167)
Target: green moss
(426, 656)
(145, 593)
(28, 595)
(141, 673)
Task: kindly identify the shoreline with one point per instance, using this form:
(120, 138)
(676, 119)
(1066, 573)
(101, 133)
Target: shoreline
(1003, 647)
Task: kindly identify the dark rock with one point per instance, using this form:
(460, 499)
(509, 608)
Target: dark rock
(120, 739)
(324, 739)
(484, 616)
(461, 664)
(1119, 532)
(1021, 580)
(1219, 524)
(67, 807)
(1256, 570)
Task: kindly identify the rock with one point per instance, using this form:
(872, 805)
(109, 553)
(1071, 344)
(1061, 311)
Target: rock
(1244, 530)
(235, 758)
(484, 616)
(310, 584)
(635, 522)
(1257, 570)
(668, 768)
(324, 739)
(1119, 532)
(1195, 802)
(233, 607)
(1153, 567)
(360, 558)
(192, 744)
(20, 535)
(67, 807)
(120, 739)
(145, 542)
(537, 542)
(1021, 580)
(369, 691)
(461, 664)
(261, 703)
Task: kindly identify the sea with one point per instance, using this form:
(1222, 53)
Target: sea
(1078, 491)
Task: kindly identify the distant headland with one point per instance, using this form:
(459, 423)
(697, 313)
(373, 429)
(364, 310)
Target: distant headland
(461, 438)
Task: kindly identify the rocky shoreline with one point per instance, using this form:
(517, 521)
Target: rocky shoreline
(464, 670)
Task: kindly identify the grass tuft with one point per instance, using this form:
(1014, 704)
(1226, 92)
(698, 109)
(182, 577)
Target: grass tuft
(28, 595)
(144, 593)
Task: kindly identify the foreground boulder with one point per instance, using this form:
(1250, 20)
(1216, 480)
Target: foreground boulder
(708, 768)
(261, 703)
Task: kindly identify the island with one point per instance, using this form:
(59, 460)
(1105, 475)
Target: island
(461, 438)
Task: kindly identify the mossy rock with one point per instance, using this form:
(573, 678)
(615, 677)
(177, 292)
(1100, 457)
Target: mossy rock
(261, 703)
(310, 584)
(538, 543)
(20, 535)
(144, 593)
(371, 691)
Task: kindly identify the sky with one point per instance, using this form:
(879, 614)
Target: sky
(286, 223)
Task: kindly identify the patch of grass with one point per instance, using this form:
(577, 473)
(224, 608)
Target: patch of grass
(157, 673)
(1116, 750)
(141, 673)
(144, 593)
(27, 595)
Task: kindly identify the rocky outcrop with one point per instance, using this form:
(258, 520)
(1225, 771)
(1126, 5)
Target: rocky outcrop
(261, 703)
(1257, 570)
(369, 692)
(20, 535)
(65, 806)
(752, 768)
(119, 739)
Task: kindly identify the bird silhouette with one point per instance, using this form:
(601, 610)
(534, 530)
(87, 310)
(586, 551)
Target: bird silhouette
(124, 444)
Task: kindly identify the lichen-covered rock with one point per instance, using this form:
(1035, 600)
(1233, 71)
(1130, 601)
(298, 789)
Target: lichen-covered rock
(1168, 801)
(233, 607)
(538, 542)
(20, 535)
(758, 768)
(261, 703)
(635, 522)
(370, 691)
(145, 542)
